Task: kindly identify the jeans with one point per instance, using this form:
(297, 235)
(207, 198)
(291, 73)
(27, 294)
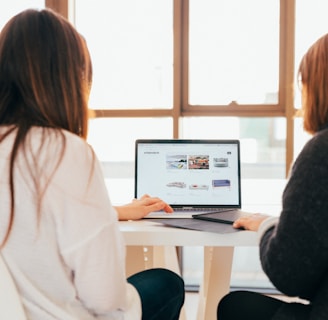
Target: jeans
(162, 293)
(239, 305)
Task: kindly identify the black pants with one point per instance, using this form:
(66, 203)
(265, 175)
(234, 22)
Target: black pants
(162, 293)
(247, 305)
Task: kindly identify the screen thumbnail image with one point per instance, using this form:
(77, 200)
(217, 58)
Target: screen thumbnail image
(221, 162)
(196, 186)
(221, 183)
(198, 162)
(176, 161)
(176, 184)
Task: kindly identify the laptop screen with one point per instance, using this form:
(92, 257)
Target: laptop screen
(195, 173)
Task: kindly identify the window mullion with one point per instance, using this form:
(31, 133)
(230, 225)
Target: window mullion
(286, 88)
(179, 57)
(60, 6)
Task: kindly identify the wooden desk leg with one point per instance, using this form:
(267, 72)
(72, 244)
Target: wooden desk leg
(216, 280)
(164, 256)
(135, 260)
(142, 258)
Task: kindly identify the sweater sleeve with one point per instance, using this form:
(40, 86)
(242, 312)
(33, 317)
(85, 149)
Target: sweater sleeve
(89, 238)
(294, 254)
(266, 225)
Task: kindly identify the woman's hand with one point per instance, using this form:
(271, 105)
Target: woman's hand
(139, 208)
(250, 222)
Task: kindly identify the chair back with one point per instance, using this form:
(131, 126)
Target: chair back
(10, 301)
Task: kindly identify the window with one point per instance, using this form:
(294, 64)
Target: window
(262, 141)
(170, 59)
(7, 11)
(233, 52)
(179, 69)
(132, 51)
(196, 69)
(311, 24)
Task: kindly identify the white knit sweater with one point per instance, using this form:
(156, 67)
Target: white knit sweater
(69, 264)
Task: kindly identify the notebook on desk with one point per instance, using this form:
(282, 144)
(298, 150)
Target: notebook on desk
(194, 176)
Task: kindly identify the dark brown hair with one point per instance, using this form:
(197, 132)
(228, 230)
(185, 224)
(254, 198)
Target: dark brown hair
(45, 79)
(313, 73)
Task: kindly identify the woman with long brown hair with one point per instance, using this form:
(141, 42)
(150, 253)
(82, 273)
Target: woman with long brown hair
(59, 231)
(293, 247)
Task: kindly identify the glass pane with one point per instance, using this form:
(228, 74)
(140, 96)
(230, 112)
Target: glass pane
(311, 24)
(234, 52)
(7, 10)
(262, 141)
(113, 141)
(113, 138)
(131, 45)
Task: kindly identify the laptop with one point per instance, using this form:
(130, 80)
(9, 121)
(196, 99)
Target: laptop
(197, 178)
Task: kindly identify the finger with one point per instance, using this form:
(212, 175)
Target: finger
(237, 224)
(159, 205)
(155, 204)
(145, 196)
(241, 223)
(142, 198)
(168, 209)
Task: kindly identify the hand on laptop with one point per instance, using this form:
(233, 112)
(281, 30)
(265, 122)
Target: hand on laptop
(139, 208)
(250, 222)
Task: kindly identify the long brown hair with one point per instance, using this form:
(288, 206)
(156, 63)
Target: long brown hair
(313, 73)
(45, 79)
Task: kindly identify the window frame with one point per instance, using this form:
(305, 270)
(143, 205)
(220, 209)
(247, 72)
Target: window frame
(232, 108)
(181, 107)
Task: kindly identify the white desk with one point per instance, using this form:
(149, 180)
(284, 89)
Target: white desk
(151, 244)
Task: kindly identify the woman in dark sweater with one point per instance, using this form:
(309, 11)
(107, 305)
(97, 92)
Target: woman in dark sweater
(294, 247)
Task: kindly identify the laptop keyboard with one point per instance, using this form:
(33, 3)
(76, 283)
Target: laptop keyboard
(184, 210)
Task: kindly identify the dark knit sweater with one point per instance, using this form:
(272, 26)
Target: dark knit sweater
(294, 254)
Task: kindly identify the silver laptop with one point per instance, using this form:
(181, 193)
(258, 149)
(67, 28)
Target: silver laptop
(193, 176)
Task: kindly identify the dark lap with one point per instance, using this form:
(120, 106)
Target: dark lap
(247, 305)
(161, 292)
